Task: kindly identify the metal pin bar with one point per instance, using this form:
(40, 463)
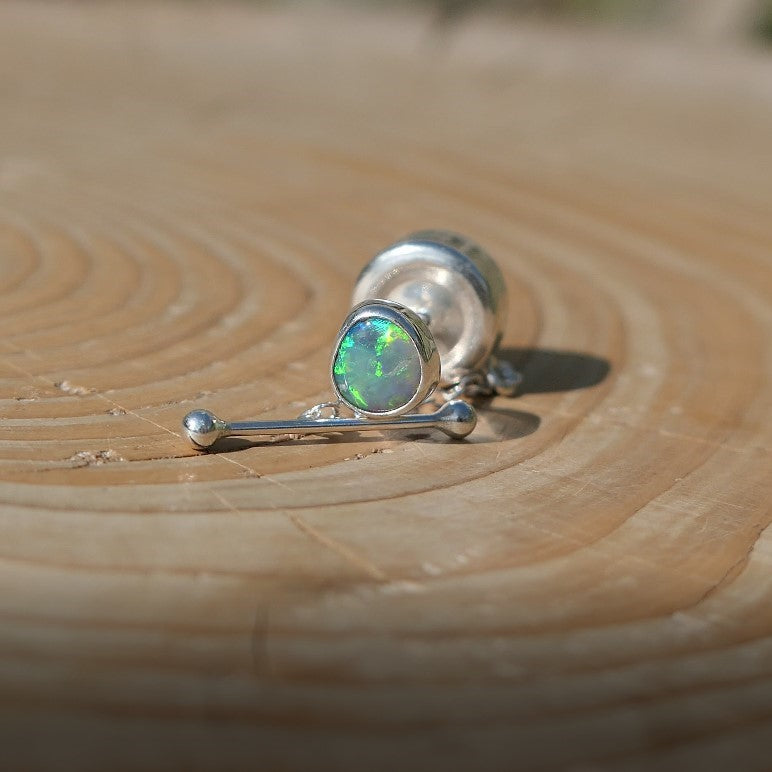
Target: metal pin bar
(457, 419)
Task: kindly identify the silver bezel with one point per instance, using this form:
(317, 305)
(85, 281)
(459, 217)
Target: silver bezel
(419, 334)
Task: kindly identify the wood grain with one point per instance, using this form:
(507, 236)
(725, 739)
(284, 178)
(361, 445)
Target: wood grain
(186, 196)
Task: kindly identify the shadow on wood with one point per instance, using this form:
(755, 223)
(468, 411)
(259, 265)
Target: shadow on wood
(547, 370)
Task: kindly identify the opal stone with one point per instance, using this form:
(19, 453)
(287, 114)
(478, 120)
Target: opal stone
(377, 367)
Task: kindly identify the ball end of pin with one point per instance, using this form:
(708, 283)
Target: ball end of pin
(457, 419)
(202, 428)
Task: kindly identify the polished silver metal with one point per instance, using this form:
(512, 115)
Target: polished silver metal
(499, 378)
(419, 334)
(449, 296)
(457, 289)
(456, 419)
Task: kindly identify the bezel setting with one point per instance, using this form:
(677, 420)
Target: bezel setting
(420, 336)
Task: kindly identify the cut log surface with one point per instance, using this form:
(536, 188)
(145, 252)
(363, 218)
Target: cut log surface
(187, 194)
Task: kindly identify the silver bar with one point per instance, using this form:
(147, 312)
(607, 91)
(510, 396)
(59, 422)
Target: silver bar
(456, 418)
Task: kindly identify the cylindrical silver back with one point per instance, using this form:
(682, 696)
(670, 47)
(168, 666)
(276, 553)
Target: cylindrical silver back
(453, 285)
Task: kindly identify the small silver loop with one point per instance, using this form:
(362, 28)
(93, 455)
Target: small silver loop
(502, 377)
(499, 378)
(317, 412)
(469, 386)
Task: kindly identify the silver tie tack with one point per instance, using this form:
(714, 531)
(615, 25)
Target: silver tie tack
(425, 328)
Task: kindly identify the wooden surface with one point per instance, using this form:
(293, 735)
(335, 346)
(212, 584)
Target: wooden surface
(186, 196)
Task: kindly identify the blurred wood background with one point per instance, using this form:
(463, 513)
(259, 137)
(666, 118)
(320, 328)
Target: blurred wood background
(187, 193)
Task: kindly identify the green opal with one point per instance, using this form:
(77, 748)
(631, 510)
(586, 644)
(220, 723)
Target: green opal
(377, 367)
